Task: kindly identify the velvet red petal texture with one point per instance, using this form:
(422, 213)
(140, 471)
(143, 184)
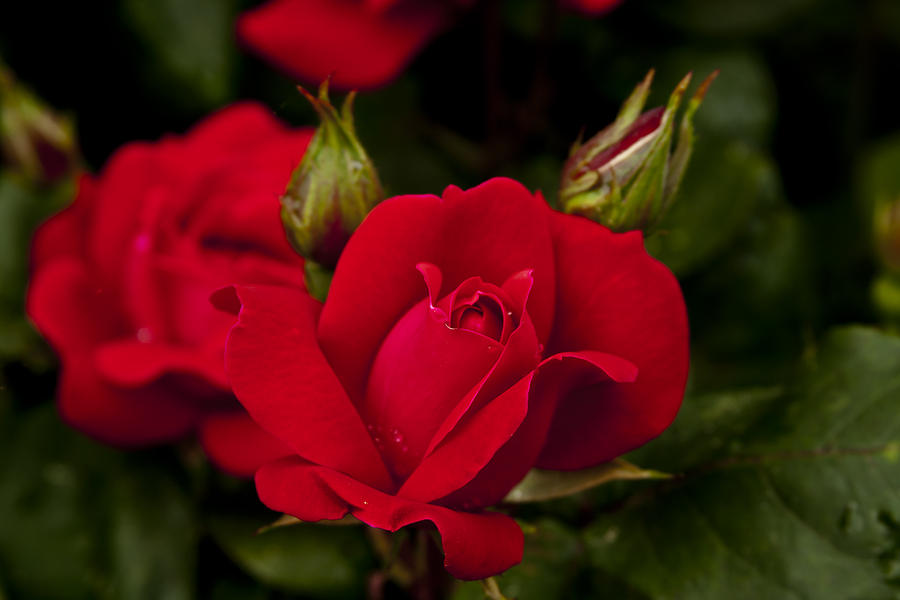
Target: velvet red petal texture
(281, 377)
(516, 421)
(69, 310)
(425, 360)
(361, 45)
(549, 383)
(124, 417)
(131, 363)
(492, 231)
(63, 235)
(237, 445)
(476, 545)
(613, 297)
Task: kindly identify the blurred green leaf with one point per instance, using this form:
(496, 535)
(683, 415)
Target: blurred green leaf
(540, 484)
(51, 508)
(396, 135)
(552, 560)
(78, 520)
(22, 207)
(190, 48)
(731, 17)
(739, 104)
(708, 426)
(752, 310)
(726, 182)
(153, 536)
(305, 558)
(808, 508)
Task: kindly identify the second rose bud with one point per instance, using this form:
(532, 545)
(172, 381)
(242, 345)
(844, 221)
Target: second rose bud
(331, 190)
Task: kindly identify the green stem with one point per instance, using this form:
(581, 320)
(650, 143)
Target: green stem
(492, 590)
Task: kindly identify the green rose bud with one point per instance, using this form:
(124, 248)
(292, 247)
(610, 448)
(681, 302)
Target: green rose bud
(332, 189)
(34, 140)
(626, 176)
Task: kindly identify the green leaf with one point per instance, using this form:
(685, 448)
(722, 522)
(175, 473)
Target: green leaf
(153, 536)
(305, 558)
(539, 485)
(726, 182)
(742, 102)
(22, 207)
(731, 17)
(552, 561)
(190, 48)
(51, 514)
(807, 504)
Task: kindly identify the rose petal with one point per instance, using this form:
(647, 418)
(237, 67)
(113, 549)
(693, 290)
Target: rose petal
(421, 371)
(281, 377)
(476, 545)
(63, 234)
(520, 355)
(476, 439)
(122, 417)
(552, 381)
(130, 363)
(237, 445)
(612, 297)
(493, 231)
(363, 48)
(68, 309)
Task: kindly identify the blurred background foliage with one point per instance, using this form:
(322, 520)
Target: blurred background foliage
(786, 454)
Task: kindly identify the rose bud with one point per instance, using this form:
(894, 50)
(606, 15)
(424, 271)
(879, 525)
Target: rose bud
(625, 177)
(332, 189)
(465, 340)
(121, 281)
(33, 139)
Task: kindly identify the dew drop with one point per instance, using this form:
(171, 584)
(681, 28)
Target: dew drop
(143, 335)
(490, 348)
(404, 449)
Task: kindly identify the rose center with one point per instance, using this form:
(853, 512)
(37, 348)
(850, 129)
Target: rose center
(485, 316)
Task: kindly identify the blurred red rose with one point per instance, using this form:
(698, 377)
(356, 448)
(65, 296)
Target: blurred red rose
(464, 340)
(363, 43)
(122, 278)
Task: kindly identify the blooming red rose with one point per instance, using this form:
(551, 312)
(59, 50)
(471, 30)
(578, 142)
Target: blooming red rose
(363, 43)
(122, 278)
(464, 340)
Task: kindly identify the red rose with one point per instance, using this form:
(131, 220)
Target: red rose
(464, 340)
(364, 43)
(122, 278)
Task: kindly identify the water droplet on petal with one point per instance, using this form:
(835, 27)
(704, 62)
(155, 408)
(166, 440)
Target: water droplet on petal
(143, 335)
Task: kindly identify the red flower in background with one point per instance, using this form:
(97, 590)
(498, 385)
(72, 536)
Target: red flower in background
(364, 43)
(122, 278)
(464, 340)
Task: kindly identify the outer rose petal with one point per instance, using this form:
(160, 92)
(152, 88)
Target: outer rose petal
(476, 545)
(68, 310)
(237, 445)
(118, 416)
(613, 297)
(63, 234)
(493, 231)
(281, 377)
(509, 431)
(130, 363)
(363, 47)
